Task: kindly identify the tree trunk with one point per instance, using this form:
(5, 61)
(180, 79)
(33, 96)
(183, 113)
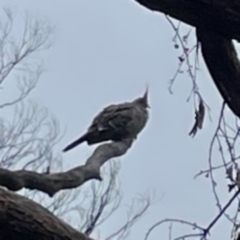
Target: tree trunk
(23, 219)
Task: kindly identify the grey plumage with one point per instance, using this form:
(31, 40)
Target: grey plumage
(116, 122)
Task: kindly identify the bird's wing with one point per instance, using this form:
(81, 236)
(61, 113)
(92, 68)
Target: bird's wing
(112, 117)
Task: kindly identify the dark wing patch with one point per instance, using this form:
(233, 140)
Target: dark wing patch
(112, 117)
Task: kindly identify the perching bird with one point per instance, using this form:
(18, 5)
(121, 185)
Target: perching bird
(116, 122)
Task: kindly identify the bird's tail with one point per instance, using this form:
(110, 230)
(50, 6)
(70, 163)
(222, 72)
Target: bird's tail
(75, 143)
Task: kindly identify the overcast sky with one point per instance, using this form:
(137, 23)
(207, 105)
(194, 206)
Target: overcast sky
(106, 52)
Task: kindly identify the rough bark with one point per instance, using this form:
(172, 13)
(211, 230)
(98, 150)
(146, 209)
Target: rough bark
(217, 23)
(52, 183)
(23, 219)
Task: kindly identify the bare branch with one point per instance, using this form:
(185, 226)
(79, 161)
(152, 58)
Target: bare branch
(181, 40)
(15, 55)
(103, 203)
(194, 226)
(52, 183)
(133, 217)
(27, 140)
(210, 226)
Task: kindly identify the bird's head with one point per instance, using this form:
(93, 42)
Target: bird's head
(143, 101)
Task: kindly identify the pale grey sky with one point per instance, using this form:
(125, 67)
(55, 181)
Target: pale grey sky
(106, 51)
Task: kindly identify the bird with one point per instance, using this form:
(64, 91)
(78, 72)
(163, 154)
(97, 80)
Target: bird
(116, 122)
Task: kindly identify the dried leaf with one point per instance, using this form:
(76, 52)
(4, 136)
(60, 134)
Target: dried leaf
(181, 59)
(231, 187)
(199, 117)
(238, 178)
(229, 173)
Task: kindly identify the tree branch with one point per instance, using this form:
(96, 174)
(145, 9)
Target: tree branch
(221, 59)
(21, 218)
(217, 24)
(52, 183)
(222, 16)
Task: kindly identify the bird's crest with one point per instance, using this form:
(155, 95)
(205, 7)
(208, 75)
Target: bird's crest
(144, 99)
